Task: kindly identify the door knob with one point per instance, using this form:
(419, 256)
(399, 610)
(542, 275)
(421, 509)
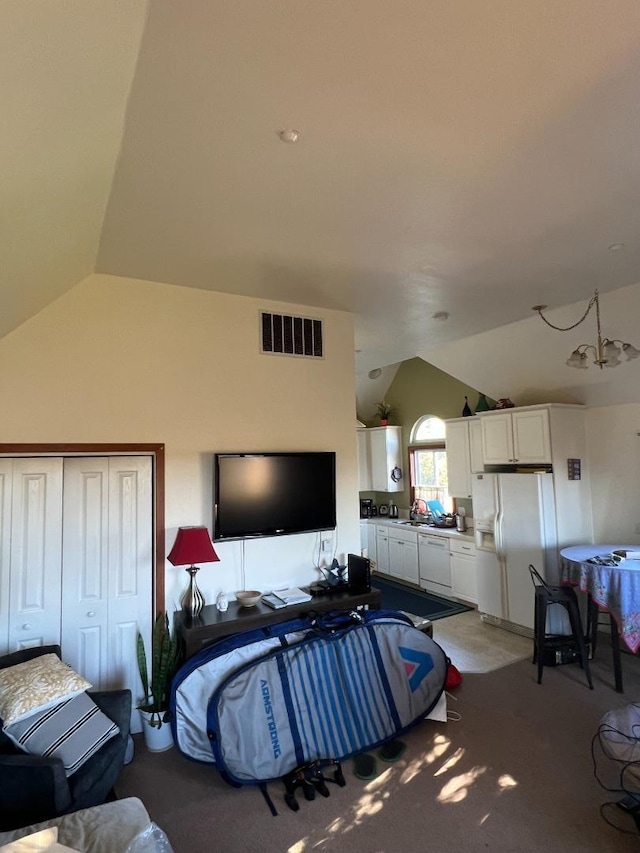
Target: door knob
(91, 613)
(26, 626)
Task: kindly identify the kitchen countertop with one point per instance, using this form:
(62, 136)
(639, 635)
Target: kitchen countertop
(404, 524)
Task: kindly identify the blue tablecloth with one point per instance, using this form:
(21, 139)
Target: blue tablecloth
(614, 588)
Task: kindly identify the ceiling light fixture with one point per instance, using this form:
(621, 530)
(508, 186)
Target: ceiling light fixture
(290, 136)
(606, 352)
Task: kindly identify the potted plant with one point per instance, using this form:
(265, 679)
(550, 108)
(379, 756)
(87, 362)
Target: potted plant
(154, 707)
(384, 412)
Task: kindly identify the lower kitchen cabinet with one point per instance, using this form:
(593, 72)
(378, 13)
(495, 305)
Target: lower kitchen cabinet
(403, 556)
(434, 564)
(372, 550)
(464, 582)
(382, 550)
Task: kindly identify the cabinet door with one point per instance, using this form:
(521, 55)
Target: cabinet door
(371, 545)
(382, 551)
(531, 439)
(458, 459)
(396, 547)
(364, 461)
(475, 446)
(410, 570)
(464, 583)
(385, 454)
(497, 439)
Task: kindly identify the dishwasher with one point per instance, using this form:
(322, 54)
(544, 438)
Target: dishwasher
(435, 563)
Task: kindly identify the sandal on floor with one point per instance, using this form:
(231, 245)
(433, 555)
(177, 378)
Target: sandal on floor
(364, 766)
(392, 751)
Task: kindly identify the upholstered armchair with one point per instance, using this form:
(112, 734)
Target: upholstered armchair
(34, 788)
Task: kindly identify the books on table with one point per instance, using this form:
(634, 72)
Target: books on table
(283, 597)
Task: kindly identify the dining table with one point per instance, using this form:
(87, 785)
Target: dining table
(610, 575)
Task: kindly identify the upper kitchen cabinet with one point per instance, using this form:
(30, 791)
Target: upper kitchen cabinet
(516, 437)
(464, 454)
(364, 464)
(380, 459)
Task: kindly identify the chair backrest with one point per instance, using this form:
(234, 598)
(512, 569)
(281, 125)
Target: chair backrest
(536, 577)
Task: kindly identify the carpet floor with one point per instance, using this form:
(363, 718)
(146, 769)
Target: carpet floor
(396, 596)
(514, 773)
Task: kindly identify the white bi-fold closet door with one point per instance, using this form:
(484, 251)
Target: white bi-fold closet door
(76, 561)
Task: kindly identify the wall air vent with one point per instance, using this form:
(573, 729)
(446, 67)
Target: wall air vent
(286, 335)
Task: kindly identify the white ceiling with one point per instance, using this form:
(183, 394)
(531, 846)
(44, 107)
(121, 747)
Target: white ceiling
(473, 158)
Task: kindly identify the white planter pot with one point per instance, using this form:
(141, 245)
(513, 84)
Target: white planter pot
(156, 738)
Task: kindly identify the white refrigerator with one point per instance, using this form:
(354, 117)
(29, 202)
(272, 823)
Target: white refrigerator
(515, 525)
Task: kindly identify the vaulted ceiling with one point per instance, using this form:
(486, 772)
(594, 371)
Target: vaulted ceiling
(460, 157)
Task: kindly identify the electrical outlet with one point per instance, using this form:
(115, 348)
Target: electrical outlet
(326, 544)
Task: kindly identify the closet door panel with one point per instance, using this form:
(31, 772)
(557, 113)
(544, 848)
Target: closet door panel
(85, 607)
(36, 553)
(6, 477)
(130, 569)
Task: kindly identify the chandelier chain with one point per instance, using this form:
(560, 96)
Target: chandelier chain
(592, 301)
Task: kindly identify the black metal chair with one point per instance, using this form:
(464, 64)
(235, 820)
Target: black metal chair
(34, 788)
(544, 643)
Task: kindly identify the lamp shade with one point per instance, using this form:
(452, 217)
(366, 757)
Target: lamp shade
(192, 545)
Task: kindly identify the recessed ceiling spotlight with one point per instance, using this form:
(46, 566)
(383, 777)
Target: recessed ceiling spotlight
(615, 247)
(441, 315)
(373, 374)
(290, 136)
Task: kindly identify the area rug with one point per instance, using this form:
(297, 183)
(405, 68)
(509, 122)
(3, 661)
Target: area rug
(395, 596)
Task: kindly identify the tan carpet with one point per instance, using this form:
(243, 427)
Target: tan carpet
(514, 774)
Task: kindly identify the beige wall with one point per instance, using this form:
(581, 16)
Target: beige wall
(121, 360)
(613, 454)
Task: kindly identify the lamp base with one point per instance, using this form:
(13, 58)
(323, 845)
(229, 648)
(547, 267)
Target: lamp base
(192, 601)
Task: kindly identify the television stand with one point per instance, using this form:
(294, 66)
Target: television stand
(195, 633)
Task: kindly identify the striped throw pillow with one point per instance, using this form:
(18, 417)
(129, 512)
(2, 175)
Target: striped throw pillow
(72, 731)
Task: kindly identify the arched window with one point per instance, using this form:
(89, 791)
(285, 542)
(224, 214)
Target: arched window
(428, 462)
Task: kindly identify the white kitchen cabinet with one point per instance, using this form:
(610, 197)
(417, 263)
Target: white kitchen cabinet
(458, 458)
(464, 454)
(403, 555)
(434, 563)
(380, 459)
(372, 550)
(464, 582)
(382, 550)
(521, 437)
(364, 464)
(475, 446)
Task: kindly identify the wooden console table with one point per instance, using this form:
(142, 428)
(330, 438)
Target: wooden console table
(212, 624)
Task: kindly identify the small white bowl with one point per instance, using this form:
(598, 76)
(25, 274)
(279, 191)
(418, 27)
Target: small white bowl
(248, 597)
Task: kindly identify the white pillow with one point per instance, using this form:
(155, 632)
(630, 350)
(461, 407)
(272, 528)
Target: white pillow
(72, 731)
(45, 841)
(36, 684)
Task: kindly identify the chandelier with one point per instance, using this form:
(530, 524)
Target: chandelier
(606, 351)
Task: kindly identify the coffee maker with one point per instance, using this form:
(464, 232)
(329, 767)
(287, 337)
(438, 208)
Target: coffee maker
(366, 508)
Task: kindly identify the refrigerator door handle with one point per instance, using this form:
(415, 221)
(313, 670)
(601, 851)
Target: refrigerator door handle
(498, 533)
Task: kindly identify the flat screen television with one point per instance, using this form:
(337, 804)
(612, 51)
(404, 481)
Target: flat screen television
(271, 494)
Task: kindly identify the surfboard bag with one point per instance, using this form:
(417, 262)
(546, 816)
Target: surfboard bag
(314, 692)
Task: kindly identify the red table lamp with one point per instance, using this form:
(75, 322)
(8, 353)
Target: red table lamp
(192, 545)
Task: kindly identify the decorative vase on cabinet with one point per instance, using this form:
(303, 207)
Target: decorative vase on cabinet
(483, 405)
